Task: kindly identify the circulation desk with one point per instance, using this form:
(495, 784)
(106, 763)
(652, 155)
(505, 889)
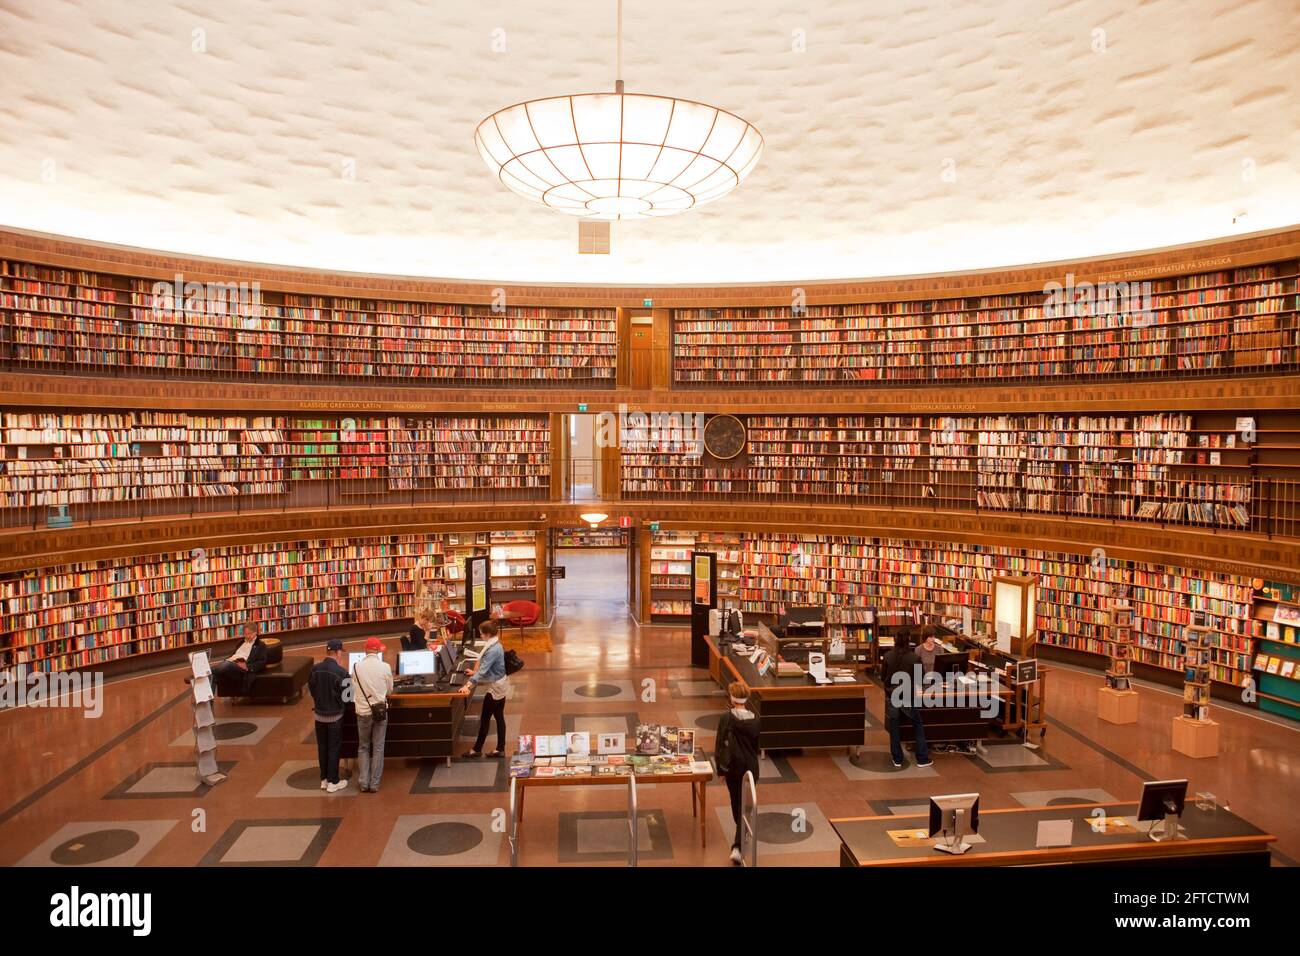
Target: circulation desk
(1011, 836)
(423, 725)
(796, 713)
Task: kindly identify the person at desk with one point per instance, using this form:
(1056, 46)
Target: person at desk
(928, 650)
(417, 639)
(736, 752)
(490, 671)
(239, 669)
(902, 686)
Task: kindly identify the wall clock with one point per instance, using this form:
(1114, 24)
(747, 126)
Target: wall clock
(724, 436)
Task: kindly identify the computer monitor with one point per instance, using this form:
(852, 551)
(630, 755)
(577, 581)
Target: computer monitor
(952, 816)
(355, 658)
(415, 662)
(1163, 800)
(447, 660)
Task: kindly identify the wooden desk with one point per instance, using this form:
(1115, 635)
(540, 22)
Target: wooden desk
(424, 725)
(1010, 836)
(696, 780)
(795, 712)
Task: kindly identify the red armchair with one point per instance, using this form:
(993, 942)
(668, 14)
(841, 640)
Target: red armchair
(521, 613)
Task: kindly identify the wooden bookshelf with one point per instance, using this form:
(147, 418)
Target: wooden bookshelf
(72, 320)
(86, 615)
(1240, 320)
(101, 465)
(1171, 467)
(869, 577)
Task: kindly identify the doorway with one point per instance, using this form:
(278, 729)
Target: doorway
(594, 586)
(589, 471)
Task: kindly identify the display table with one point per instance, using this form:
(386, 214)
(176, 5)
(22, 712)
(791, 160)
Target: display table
(795, 712)
(1010, 837)
(697, 782)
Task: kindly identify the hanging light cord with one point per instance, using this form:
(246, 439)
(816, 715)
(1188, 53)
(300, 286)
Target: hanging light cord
(618, 79)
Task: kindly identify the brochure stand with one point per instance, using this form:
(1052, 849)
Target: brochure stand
(205, 741)
(1117, 701)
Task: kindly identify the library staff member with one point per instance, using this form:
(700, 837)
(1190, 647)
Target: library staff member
(928, 649)
(417, 638)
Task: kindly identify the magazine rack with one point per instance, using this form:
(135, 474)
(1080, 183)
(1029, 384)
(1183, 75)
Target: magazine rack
(205, 741)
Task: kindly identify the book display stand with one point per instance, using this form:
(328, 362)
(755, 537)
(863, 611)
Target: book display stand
(205, 741)
(1194, 733)
(1117, 701)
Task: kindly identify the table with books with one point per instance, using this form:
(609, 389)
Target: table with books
(661, 755)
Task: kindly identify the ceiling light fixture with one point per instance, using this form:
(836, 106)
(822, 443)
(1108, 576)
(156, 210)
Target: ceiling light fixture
(618, 155)
(594, 518)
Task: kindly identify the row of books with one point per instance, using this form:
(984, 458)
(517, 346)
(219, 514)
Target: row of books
(778, 571)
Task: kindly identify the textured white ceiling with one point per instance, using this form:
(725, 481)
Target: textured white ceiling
(113, 128)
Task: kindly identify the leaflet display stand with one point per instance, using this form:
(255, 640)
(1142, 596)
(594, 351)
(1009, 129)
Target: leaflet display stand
(1117, 701)
(205, 741)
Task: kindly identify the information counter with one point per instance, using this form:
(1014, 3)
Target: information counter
(796, 713)
(1010, 838)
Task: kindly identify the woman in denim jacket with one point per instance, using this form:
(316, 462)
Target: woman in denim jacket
(491, 673)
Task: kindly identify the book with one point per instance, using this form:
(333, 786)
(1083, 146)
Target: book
(579, 743)
(647, 738)
(525, 744)
(685, 741)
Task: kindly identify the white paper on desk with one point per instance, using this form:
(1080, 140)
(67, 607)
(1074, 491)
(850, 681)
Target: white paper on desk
(967, 624)
(1055, 833)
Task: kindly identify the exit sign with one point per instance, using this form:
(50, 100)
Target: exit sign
(654, 525)
(582, 407)
(648, 303)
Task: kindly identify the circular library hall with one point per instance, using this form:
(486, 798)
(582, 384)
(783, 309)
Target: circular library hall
(830, 436)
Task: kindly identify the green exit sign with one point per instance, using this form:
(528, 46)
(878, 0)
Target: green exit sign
(582, 407)
(654, 525)
(648, 303)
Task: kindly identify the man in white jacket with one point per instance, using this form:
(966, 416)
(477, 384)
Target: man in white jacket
(372, 682)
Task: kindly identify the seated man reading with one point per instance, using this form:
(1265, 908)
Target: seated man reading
(235, 674)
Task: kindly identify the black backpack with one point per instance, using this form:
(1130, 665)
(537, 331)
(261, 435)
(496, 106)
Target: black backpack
(514, 663)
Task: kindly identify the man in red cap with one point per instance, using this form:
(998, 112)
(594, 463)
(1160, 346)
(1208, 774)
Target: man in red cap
(372, 682)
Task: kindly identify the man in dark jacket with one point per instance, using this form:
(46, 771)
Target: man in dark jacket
(235, 674)
(902, 689)
(327, 684)
(736, 752)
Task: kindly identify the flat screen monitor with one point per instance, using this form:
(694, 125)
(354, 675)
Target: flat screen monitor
(355, 658)
(447, 659)
(415, 662)
(955, 815)
(1161, 797)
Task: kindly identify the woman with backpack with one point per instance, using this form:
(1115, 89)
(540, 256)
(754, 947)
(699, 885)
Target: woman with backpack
(491, 673)
(736, 752)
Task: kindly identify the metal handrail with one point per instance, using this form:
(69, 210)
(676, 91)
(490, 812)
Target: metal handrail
(631, 820)
(749, 820)
(512, 834)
